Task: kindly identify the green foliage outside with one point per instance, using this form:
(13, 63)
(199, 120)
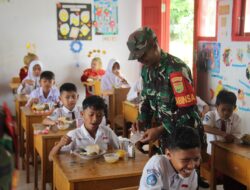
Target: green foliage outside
(181, 20)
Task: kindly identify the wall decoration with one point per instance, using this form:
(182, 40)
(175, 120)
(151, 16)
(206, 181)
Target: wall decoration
(224, 9)
(227, 57)
(209, 57)
(96, 53)
(106, 17)
(248, 51)
(74, 21)
(31, 47)
(244, 109)
(241, 97)
(248, 72)
(76, 46)
(240, 54)
(223, 21)
(216, 76)
(218, 88)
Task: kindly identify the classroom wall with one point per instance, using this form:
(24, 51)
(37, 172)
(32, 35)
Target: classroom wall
(231, 75)
(34, 21)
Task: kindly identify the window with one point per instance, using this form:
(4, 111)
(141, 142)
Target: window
(207, 22)
(241, 20)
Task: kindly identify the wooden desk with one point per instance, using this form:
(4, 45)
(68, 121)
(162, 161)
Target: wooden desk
(73, 173)
(232, 160)
(20, 100)
(27, 119)
(43, 143)
(95, 87)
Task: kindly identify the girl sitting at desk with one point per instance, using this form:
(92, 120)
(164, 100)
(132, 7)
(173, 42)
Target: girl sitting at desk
(93, 73)
(113, 78)
(31, 81)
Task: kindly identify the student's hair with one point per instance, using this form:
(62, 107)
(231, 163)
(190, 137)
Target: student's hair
(183, 138)
(68, 87)
(97, 59)
(49, 75)
(29, 58)
(226, 97)
(95, 102)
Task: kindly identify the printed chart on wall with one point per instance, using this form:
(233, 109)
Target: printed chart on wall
(209, 57)
(74, 21)
(106, 17)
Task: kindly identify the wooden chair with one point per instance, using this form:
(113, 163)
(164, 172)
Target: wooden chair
(15, 80)
(116, 109)
(93, 87)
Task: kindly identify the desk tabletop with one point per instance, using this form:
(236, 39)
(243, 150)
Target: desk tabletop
(239, 149)
(77, 169)
(21, 98)
(54, 132)
(29, 112)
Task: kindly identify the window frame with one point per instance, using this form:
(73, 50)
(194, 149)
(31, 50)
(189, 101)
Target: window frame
(204, 38)
(238, 26)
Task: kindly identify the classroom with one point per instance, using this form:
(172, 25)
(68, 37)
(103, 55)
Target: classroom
(125, 94)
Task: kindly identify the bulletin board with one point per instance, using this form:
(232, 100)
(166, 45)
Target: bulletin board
(74, 21)
(106, 17)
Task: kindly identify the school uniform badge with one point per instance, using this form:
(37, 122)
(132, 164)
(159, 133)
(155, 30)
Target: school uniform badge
(151, 179)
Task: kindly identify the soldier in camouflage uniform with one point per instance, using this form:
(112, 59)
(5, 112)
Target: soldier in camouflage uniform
(167, 94)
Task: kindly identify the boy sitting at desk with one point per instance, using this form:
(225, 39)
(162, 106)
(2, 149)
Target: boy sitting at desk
(223, 122)
(91, 132)
(68, 98)
(175, 169)
(47, 93)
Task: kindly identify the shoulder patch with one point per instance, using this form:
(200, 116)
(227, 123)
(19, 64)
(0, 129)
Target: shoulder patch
(207, 118)
(151, 179)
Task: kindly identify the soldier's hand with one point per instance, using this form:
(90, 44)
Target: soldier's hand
(152, 134)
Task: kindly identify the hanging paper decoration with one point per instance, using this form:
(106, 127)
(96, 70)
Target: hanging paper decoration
(31, 47)
(96, 53)
(76, 48)
(227, 57)
(106, 17)
(74, 21)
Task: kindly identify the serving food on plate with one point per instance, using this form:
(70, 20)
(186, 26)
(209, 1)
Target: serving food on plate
(40, 107)
(246, 139)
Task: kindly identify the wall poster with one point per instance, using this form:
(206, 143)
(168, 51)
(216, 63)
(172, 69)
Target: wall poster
(106, 17)
(74, 21)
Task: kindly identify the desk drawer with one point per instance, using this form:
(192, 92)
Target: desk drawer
(231, 164)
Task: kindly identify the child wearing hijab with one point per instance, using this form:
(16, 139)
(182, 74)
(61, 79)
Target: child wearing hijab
(93, 73)
(31, 81)
(26, 60)
(112, 78)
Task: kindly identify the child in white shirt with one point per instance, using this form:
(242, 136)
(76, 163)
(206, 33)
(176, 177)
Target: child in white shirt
(203, 108)
(31, 81)
(68, 98)
(112, 78)
(223, 122)
(47, 93)
(91, 132)
(176, 169)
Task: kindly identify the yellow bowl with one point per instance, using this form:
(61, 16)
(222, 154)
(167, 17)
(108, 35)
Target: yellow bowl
(111, 157)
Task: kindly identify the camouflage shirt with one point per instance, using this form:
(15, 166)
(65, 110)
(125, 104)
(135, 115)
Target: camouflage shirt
(157, 97)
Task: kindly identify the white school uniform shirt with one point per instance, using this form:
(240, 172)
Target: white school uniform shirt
(81, 138)
(159, 174)
(64, 112)
(200, 103)
(109, 79)
(26, 88)
(135, 90)
(212, 119)
(53, 95)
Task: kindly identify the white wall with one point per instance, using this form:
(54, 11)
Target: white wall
(35, 21)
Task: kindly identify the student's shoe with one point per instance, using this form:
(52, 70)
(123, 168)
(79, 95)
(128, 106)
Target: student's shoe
(202, 183)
